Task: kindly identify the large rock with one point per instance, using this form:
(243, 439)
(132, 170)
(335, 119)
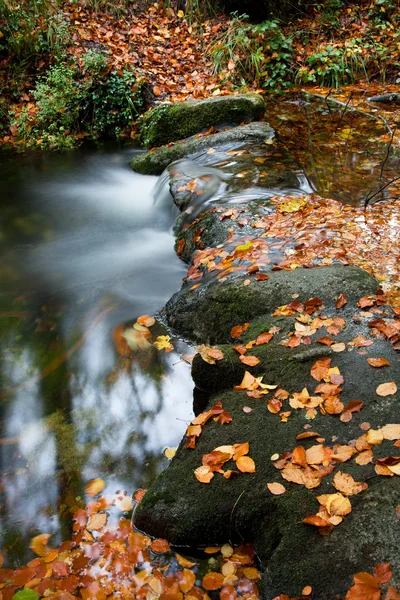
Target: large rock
(207, 313)
(155, 161)
(292, 554)
(171, 122)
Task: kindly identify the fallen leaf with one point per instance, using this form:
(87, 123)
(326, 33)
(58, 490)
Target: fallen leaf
(204, 474)
(39, 544)
(378, 362)
(212, 581)
(245, 464)
(386, 389)
(160, 545)
(170, 452)
(97, 521)
(94, 487)
(341, 301)
(163, 343)
(250, 361)
(276, 488)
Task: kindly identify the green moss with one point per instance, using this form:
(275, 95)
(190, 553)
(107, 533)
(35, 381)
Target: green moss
(171, 122)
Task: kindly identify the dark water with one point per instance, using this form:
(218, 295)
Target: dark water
(85, 248)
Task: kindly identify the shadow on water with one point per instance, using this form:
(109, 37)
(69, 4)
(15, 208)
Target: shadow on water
(85, 248)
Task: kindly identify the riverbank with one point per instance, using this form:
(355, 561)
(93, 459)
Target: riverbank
(74, 71)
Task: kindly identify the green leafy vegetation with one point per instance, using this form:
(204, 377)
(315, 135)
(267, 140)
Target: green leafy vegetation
(248, 53)
(68, 99)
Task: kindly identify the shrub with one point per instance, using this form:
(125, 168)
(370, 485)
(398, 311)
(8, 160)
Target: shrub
(259, 54)
(114, 102)
(335, 65)
(69, 101)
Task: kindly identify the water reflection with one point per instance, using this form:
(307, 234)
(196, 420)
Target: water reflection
(84, 248)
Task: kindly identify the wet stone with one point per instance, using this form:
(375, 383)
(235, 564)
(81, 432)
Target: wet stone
(155, 161)
(292, 554)
(171, 122)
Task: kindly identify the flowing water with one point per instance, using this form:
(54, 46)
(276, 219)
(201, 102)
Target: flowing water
(85, 249)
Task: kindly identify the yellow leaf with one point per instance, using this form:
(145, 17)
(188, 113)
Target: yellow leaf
(244, 247)
(180, 14)
(170, 452)
(94, 487)
(292, 205)
(39, 544)
(162, 343)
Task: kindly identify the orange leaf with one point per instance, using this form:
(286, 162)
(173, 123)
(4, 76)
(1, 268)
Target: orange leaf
(383, 572)
(188, 580)
(320, 369)
(96, 522)
(160, 545)
(212, 581)
(316, 521)
(276, 488)
(146, 320)
(378, 362)
(245, 464)
(264, 338)
(39, 544)
(239, 329)
(250, 361)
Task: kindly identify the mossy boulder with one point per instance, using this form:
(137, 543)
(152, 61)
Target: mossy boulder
(171, 122)
(292, 554)
(155, 161)
(207, 313)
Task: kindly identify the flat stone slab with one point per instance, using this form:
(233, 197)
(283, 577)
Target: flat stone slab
(168, 122)
(155, 161)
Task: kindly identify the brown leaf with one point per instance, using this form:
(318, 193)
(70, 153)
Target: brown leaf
(341, 301)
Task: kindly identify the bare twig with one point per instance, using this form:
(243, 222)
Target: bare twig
(387, 152)
(344, 111)
(363, 112)
(369, 198)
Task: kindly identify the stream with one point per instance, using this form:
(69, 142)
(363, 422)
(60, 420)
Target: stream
(85, 249)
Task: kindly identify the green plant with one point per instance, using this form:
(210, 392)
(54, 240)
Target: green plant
(259, 54)
(31, 28)
(114, 102)
(330, 11)
(335, 65)
(94, 63)
(69, 101)
(58, 96)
